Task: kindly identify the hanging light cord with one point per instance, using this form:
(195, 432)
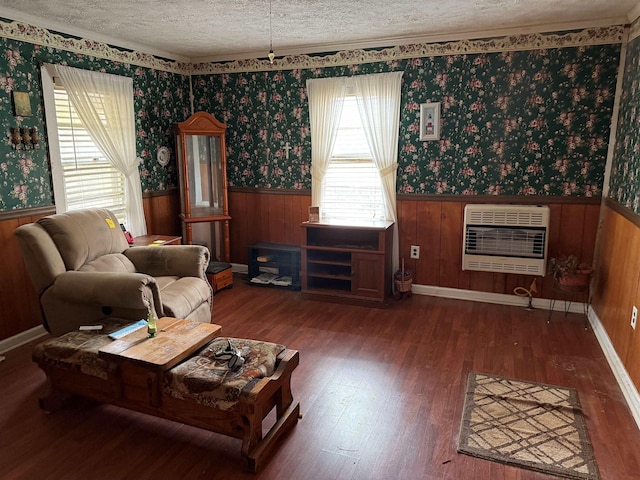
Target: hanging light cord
(271, 54)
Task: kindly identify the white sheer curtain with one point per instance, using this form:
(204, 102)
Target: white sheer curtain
(379, 105)
(114, 134)
(326, 98)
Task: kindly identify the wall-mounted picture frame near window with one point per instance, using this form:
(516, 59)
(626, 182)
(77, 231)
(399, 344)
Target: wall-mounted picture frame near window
(21, 104)
(430, 121)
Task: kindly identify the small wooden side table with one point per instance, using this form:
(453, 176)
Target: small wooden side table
(137, 362)
(156, 240)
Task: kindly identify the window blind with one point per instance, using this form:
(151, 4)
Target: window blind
(90, 180)
(352, 188)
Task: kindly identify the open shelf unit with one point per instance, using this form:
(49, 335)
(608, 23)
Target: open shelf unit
(350, 263)
(280, 257)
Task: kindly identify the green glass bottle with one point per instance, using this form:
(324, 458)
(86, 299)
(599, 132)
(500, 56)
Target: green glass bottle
(151, 325)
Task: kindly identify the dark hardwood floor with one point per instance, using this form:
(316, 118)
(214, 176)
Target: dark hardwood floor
(381, 392)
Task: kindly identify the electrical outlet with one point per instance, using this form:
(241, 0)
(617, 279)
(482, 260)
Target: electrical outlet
(634, 317)
(415, 251)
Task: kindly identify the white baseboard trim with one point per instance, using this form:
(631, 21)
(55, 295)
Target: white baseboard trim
(500, 298)
(624, 381)
(22, 338)
(472, 295)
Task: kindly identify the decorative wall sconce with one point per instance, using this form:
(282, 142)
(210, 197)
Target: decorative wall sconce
(35, 138)
(16, 139)
(24, 138)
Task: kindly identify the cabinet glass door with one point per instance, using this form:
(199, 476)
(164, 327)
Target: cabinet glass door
(204, 175)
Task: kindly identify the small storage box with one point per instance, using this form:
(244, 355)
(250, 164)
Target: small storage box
(220, 275)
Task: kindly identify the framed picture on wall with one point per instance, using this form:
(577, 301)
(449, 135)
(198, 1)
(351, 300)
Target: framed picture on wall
(21, 104)
(430, 121)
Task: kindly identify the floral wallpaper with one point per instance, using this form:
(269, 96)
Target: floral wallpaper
(161, 99)
(624, 185)
(532, 122)
(522, 115)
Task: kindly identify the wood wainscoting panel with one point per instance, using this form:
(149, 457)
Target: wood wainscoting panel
(265, 216)
(572, 229)
(238, 226)
(407, 236)
(450, 258)
(433, 223)
(632, 361)
(278, 220)
(19, 304)
(615, 289)
(428, 221)
(162, 213)
(590, 232)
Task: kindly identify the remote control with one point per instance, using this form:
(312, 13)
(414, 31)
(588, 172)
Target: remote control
(128, 329)
(90, 327)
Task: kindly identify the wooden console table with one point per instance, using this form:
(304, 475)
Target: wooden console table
(348, 262)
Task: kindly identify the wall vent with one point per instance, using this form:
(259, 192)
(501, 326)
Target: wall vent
(505, 238)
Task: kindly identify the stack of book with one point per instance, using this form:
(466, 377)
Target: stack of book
(272, 279)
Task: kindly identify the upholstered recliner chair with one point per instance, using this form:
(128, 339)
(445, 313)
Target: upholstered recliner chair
(84, 272)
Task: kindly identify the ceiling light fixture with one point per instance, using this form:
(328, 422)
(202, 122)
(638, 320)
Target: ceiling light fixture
(271, 54)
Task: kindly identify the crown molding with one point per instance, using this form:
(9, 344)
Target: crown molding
(505, 42)
(42, 36)
(524, 41)
(378, 43)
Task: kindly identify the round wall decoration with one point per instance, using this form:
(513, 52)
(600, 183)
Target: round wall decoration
(163, 156)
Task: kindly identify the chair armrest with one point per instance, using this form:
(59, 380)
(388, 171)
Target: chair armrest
(177, 260)
(116, 289)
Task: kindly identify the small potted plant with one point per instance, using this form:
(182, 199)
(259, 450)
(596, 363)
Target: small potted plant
(568, 272)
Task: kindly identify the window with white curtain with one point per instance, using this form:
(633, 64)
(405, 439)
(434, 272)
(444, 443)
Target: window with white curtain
(352, 188)
(92, 142)
(89, 180)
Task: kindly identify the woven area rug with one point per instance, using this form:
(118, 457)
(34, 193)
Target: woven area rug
(530, 425)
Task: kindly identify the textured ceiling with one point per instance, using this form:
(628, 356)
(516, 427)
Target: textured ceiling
(234, 29)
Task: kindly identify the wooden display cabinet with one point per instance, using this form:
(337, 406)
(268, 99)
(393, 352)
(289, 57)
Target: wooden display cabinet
(202, 170)
(350, 263)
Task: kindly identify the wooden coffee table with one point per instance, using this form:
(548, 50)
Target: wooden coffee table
(137, 362)
(131, 373)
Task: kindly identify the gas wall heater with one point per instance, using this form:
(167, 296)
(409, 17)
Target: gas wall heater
(505, 238)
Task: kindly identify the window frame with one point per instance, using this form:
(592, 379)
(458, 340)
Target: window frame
(57, 168)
